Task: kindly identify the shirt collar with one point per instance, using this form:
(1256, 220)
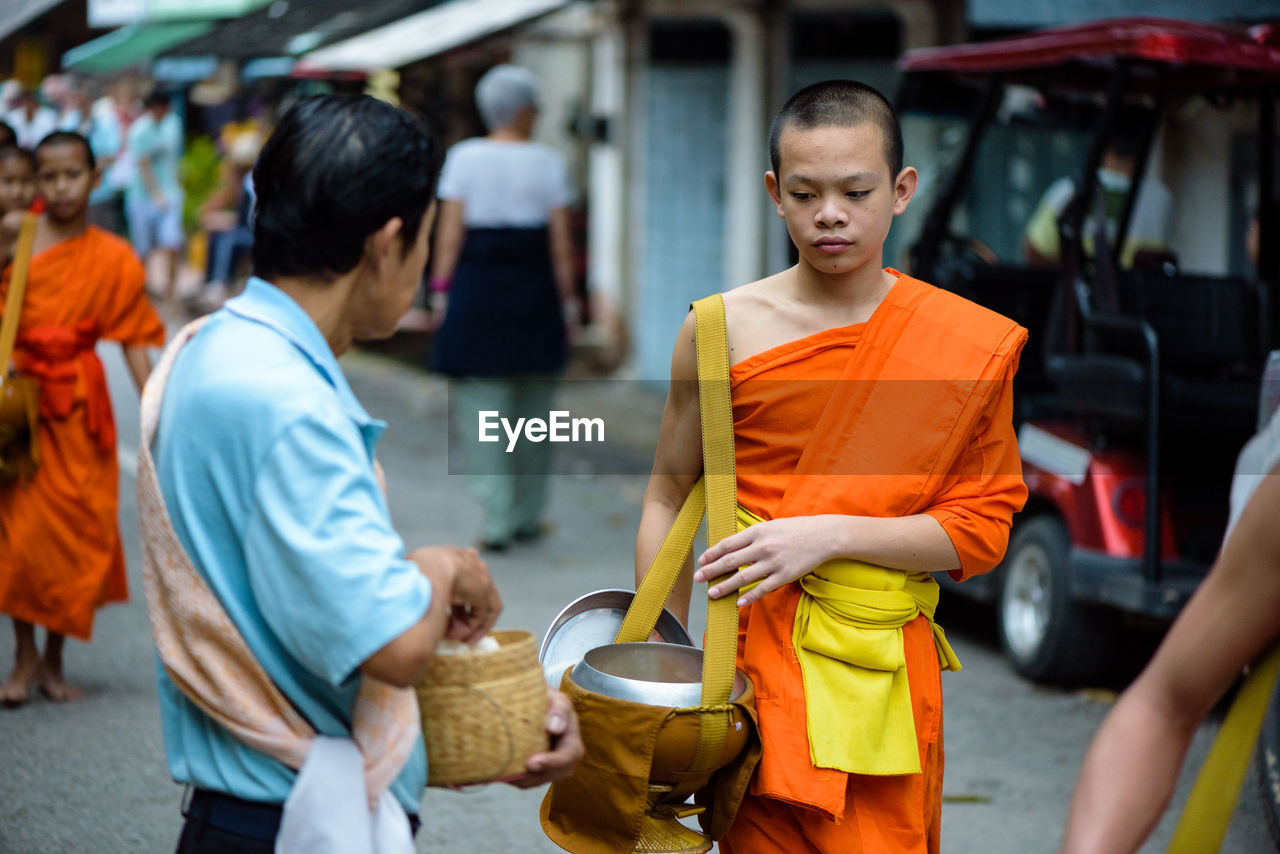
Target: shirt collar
(262, 302)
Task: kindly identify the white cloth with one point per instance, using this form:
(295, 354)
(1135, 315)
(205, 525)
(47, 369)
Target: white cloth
(505, 184)
(1260, 455)
(31, 131)
(326, 810)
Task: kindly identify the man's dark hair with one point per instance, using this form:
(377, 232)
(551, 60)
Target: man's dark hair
(839, 103)
(334, 171)
(7, 135)
(157, 97)
(68, 137)
(13, 151)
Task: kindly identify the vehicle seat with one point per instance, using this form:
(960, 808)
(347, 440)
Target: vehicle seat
(1212, 340)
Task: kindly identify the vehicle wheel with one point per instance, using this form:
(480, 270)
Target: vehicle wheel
(1268, 759)
(1046, 635)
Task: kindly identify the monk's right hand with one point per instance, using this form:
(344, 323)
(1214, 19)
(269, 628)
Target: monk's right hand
(474, 603)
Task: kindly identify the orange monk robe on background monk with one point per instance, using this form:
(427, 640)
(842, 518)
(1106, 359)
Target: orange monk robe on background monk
(60, 552)
(908, 413)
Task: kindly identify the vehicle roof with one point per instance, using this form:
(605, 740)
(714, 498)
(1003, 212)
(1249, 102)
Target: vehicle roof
(1238, 52)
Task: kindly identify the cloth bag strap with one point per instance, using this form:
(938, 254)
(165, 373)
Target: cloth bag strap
(717, 491)
(17, 288)
(1204, 819)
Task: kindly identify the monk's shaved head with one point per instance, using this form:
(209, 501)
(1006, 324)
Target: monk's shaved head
(839, 103)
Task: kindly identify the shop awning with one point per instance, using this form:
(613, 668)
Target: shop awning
(426, 34)
(131, 45)
(18, 12)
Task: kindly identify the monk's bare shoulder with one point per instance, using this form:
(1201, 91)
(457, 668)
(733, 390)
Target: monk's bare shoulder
(760, 316)
(684, 357)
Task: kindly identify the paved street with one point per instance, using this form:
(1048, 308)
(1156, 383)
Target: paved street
(90, 777)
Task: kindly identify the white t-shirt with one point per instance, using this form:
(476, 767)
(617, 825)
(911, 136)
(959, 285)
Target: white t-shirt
(1259, 456)
(505, 184)
(31, 131)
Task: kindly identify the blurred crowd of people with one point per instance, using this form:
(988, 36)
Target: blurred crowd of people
(173, 180)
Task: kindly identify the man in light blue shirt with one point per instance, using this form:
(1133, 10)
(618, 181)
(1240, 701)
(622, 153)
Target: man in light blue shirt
(266, 464)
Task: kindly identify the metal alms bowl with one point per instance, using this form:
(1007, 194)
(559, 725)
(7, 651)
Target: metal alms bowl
(591, 621)
(654, 674)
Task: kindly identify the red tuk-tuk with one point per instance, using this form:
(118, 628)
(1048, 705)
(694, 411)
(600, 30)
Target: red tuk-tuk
(1150, 322)
(1112, 187)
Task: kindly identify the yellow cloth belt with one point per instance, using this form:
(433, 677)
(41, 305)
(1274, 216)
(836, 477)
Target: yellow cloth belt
(848, 638)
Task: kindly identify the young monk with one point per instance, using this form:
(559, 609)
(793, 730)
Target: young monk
(873, 446)
(17, 179)
(60, 554)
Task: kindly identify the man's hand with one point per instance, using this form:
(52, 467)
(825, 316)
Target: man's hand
(566, 746)
(772, 553)
(439, 305)
(474, 603)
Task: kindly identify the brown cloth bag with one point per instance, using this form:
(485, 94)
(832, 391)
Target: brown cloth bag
(19, 396)
(600, 808)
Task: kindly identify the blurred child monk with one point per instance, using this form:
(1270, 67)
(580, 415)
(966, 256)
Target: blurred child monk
(874, 446)
(17, 181)
(60, 554)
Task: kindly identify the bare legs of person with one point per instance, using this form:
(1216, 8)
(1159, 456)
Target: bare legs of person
(169, 262)
(31, 670)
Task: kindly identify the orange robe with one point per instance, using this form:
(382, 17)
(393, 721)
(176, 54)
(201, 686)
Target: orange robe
(60, 553)
(907, 413)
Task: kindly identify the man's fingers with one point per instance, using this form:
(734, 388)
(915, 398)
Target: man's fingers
(566, 751)
(560, 712)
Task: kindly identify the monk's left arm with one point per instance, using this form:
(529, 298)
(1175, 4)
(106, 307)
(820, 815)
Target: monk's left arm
(963, 531)
(979, 497)
(139, 362)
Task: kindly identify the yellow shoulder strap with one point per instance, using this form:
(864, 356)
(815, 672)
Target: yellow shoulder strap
(721, 650)
(1205, 817)
(17, 287)
(716, 490)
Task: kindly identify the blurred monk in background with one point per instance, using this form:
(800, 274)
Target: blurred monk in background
(60, 552)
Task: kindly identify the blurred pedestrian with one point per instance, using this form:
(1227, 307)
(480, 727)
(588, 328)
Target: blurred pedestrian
(29, 120)
(502, 296)
(1130, 771)
(109, 119)
(264, 460)
(69, 100)
(60, 553)
(227, 217)
(153, 199)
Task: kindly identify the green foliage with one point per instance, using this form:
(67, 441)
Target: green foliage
(200, 172)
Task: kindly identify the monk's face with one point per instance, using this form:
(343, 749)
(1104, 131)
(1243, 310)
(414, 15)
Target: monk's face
(64, 178)
(837, 195)
(17, 184)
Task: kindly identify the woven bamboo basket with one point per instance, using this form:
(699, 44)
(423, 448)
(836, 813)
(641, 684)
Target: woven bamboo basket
(484, 713)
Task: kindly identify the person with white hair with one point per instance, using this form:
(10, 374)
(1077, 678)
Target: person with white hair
(502, 296)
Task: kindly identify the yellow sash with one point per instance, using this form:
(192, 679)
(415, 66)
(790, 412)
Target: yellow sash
(848, 638)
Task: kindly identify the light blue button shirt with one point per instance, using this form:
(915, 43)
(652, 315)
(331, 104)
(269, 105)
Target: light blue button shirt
(265, 460)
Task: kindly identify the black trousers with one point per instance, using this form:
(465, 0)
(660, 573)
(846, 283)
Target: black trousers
(222, 824)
